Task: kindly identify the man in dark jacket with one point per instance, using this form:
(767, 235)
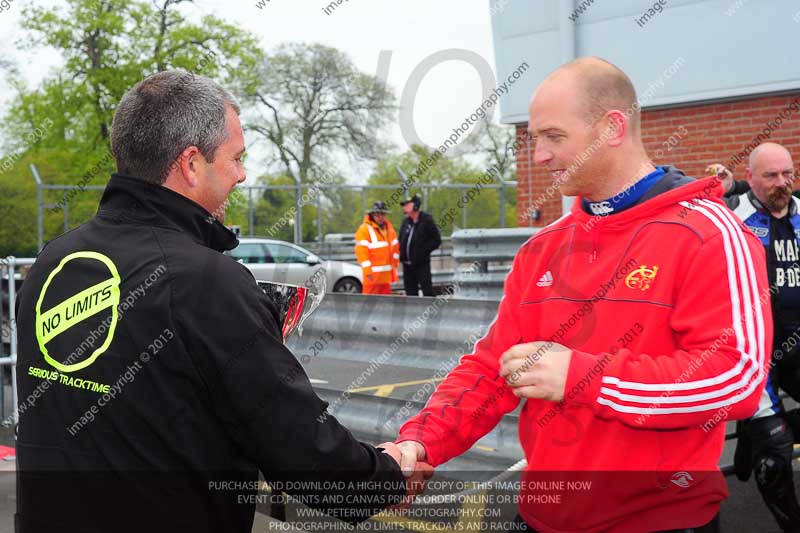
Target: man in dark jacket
(765, 441)
(419, 236)
(162, 380)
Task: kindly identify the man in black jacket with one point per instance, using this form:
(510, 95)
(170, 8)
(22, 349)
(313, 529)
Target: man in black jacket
(162, 382)
(419, 236)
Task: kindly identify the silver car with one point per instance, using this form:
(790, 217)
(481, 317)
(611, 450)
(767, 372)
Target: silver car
(284, 262)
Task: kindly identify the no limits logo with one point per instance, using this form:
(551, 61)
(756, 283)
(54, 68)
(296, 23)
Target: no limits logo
(66, 313)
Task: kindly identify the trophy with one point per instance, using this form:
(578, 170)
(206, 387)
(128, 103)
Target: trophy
(295, 303)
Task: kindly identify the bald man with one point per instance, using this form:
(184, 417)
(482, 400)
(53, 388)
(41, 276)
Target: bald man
(765, 442)
(614, 329)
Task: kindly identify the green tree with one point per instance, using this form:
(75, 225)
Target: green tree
(275, 209)
(107, 46)
(445, 204)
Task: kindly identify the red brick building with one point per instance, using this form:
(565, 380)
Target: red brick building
(711, 75)
(717, 132)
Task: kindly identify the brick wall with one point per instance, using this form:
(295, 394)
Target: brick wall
(688, 137)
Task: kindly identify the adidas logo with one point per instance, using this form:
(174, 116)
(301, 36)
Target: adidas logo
(546, 280)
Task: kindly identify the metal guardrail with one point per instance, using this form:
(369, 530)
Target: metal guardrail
(484, 246)
(489, 244)
(478, 285)
(9, 270)
(368, 415)
(341, 249)
(491, 249)
(366, 326)
(344, 249)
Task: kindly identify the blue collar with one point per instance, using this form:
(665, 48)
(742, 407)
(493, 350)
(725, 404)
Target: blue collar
(626, 198)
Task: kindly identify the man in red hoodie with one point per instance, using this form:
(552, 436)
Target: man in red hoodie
(634, 327)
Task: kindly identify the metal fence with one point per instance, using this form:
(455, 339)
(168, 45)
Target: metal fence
(11, 279)
(279, 211)
(476, 261)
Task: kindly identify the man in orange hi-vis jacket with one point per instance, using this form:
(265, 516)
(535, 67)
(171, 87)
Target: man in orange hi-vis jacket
(377, 251)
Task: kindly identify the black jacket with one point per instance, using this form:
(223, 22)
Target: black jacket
(424, 239)
(163, 415)
(731, 197)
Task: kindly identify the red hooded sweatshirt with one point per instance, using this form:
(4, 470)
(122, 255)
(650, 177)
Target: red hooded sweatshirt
(665, 307)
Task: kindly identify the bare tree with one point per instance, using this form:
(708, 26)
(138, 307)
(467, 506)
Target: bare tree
(313, 102)
(6, 65)
(161, 52)
(497, 144)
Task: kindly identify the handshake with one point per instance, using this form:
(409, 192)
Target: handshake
(410, 456)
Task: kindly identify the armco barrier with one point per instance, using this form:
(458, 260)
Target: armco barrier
(489, 244)
(368, 415)
(486, 246)
(344, 250)
(414, 331)
(8, 271)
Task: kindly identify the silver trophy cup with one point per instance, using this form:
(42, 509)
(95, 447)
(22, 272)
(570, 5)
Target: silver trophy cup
(295, 303)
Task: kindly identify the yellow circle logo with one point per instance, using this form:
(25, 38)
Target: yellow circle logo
(77, 308)
(641, 278)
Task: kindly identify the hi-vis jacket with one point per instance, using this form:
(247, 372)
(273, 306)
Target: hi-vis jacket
(377, 251)
(154, 383)
(660, 305)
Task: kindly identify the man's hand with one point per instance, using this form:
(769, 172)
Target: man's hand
(536, 370)
(410, 456)
(390, 448)
(723, 173)
(412, 453)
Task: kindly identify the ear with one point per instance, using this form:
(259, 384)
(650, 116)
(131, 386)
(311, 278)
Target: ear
(748, 175)
(616, 126)
(189, 166)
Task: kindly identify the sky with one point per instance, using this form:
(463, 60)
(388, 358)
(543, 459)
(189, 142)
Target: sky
(411, 30)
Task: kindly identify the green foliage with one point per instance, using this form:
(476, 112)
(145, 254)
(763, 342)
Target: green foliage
(483, 208)
(236, 210)
(18, 213)
(311, 104)
(107, 46)
(274, 212)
